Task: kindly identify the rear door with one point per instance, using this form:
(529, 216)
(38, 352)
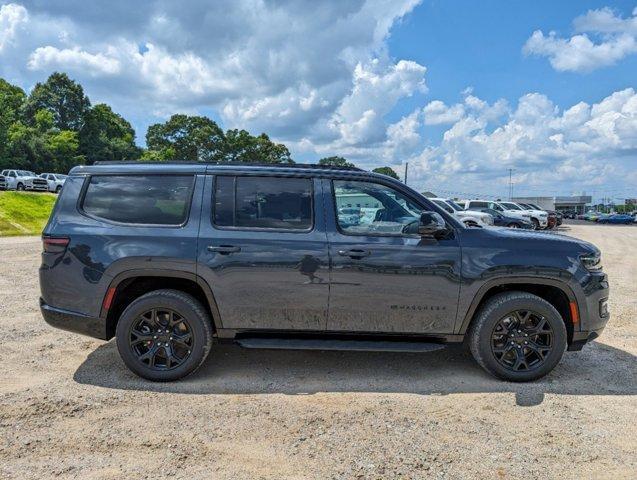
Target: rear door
(263, 251)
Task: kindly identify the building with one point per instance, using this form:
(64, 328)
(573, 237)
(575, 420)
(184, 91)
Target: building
(576, 202)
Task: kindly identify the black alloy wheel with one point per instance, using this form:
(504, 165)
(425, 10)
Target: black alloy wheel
(161, 339)
(522, 340)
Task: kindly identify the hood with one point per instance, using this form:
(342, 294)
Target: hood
(542, 239)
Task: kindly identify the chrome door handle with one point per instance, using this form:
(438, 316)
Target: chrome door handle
(224, 249)
(354, 253)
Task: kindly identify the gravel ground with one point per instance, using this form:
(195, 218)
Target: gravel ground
(70, 409)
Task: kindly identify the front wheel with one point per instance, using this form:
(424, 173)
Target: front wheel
(20, 187)
(471, 223)
(536, 224)
(517, 336)
(164, 335)
(513, 225)
(58, 189)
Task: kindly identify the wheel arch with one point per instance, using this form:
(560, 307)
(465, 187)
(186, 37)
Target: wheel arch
(557, 293)
(131, 284)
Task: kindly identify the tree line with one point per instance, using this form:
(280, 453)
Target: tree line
(56, 127)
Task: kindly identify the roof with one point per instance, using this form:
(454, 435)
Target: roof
(203, 167)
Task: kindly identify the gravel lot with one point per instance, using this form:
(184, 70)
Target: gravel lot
(70, 409)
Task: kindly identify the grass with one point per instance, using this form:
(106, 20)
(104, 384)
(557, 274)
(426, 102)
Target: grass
(24, 213)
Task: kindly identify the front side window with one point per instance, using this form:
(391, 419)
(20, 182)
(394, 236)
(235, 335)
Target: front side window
(263, 202)
(364, 208)
(139, 199)
(442, 204)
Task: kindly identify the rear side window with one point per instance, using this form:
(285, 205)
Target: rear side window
(139, 199)
(263, 202)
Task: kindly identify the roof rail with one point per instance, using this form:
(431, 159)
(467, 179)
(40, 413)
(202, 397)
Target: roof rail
(235, 164)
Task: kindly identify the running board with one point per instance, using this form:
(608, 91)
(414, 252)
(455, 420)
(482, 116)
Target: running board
(334, 344)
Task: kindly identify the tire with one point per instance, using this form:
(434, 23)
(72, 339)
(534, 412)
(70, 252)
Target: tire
(58, 189)
(195, 324)
(536, 224)
(513, 225)
(485, 328)
(470, 223)
(20, 187)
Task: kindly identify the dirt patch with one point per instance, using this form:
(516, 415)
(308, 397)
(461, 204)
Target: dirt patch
(70, 409)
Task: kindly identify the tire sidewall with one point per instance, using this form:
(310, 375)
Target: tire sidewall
(147, 302)
(491, 316)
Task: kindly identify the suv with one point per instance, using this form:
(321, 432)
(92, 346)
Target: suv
(55, 181)
(470, 218)
(508, 211)
(540, 218)
(24, 180)
(173, 258)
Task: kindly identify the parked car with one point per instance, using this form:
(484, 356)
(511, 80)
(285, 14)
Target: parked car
(617, 218)
(24, 180)
(501, 220)
(538, 216)
(555, 218)
(592, 216)
(173, 258)
(3, 183)
(470, 218)
(55, 181)
(497, 206)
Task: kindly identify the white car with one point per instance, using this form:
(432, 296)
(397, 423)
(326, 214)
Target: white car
(469, 217)
(54, 180)
(498, 207)
(24, 180)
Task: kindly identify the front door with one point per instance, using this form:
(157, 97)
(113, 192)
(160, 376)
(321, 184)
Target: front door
(263, 251)
(383, 280)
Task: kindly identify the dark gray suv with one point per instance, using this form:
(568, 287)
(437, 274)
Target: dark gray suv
(173, 258)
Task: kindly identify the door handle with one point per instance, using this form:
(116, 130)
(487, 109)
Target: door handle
(354, 253)
(224, 249)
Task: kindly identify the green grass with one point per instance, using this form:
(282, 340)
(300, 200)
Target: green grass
(24, 213)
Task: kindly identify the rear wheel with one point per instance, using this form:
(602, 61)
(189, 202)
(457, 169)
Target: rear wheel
(513, 225)
(164, 335)
(20, 187)
(517, 336)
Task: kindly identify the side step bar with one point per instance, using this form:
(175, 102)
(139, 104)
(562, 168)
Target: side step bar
(335, 344)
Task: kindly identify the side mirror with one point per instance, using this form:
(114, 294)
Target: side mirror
(431, 224)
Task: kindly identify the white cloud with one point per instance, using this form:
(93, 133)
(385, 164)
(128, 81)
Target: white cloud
(73, 60)
(614, 38)
(12, 17)
(585, 145)
(437, 113)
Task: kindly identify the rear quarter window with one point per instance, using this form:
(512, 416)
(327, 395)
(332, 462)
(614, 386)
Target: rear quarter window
(139, 199)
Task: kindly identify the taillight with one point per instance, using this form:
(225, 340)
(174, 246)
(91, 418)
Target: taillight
(55, 244)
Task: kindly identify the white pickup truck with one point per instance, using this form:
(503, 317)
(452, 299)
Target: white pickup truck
(538, 218)
(24, 180)
(469, 217)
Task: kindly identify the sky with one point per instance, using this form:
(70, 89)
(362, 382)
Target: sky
(465, 92)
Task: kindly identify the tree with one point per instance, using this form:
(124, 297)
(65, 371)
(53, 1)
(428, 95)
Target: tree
(61, 96)
(11, 100)
(335, 162)
(106, 135)
(387, 171)
(184, 137)
(240, 146)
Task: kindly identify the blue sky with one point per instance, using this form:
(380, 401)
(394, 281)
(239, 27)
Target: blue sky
(462, 90)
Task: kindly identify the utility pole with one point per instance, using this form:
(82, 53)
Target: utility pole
(406, 167)
(510, 184)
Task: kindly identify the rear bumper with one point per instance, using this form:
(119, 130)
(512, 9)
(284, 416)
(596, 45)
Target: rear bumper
(73, 321)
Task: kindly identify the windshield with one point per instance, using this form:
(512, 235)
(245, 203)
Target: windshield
(24, 173)
(534, 207)
(454, 205)
(60, 177)
(510, 206)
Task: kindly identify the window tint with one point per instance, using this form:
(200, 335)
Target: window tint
(478, 204)
(150, 199)
(263, 202)
(370, 208)
(443, 205)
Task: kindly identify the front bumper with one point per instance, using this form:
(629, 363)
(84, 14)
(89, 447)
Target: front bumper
(39, 188)
(594, 313)
(73, 321)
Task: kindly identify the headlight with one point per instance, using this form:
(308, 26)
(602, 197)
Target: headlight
(592, 263)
